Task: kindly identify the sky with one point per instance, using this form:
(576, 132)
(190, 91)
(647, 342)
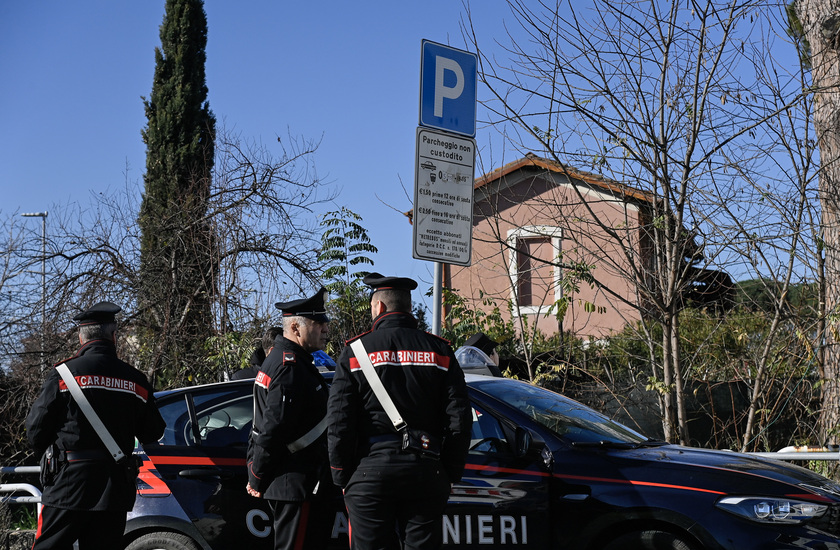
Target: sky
(345, 73)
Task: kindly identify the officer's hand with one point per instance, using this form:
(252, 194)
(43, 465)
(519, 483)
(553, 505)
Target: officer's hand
(253, 492)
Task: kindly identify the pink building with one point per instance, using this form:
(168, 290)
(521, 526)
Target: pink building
(533, 219)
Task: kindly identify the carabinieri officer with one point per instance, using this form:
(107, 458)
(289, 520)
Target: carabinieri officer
(287, 451)
(86, 492)
(397, 478)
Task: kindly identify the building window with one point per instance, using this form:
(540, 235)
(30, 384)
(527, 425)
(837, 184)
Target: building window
(535, 278)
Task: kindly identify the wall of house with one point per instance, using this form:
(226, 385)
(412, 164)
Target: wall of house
(544, 204)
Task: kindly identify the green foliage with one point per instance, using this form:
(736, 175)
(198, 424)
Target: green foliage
(550, 376)
(574, 273)
(657, 385)
(228, 352)
(419, 313)
(177, 259)
(24, 517)
(349, 313)
(181, 129)
(463, 320)
(345, 247)
(760, 295)
(719, 353)
(713, 348)
(527, 352)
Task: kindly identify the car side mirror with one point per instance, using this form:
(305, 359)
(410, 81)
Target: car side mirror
(524, 441)
(527, 443)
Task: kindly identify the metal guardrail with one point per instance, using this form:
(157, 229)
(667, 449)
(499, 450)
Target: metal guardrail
(34, 494)
(20, 469)
(800, 455)
(803, 453)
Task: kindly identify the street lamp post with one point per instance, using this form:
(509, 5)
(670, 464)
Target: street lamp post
(43, 216)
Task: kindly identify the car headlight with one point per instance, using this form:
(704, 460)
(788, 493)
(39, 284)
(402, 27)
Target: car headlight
(772, 510)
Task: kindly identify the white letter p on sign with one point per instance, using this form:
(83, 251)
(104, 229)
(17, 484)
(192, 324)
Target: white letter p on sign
(443, 92)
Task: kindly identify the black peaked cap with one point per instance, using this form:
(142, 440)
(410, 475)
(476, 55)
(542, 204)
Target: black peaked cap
(98, 314)
(377, 281)
(311, 308)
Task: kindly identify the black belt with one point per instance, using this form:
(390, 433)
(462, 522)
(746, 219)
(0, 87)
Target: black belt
(381, 438)
(98, 454)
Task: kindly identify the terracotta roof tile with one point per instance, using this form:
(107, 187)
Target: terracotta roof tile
(588, 177)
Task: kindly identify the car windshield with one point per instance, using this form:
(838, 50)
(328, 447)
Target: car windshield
(575, 423)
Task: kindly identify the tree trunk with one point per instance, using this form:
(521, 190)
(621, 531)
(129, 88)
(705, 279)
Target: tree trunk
(679, 390)
(821, 24)
(670, 425)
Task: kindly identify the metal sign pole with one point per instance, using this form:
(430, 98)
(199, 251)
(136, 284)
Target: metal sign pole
(437, 297)
(444, 168)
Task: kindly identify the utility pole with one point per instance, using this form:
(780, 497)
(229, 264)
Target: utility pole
(43, 216)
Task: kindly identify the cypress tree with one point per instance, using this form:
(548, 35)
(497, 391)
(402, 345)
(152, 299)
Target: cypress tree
(177, 271)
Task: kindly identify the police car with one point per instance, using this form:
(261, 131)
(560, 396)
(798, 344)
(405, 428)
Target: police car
(543, 471)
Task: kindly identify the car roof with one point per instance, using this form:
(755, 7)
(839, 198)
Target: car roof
(469, 377)
(184, 389)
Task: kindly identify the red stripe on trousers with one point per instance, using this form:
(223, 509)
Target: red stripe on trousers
(300, 538)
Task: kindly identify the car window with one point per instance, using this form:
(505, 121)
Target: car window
(487, 433)
(565, 417)
(176, 416)
(223, 418)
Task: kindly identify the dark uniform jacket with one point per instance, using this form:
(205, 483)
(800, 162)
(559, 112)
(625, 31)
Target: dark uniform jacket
(290, 399)
(123, 400)
(425, 382)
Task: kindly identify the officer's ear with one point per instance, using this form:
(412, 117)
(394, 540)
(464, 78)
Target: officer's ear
(378, 308)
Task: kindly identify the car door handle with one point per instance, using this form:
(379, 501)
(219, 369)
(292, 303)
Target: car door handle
(205, 472)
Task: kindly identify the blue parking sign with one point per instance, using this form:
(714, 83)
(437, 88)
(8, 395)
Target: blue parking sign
(448, 88)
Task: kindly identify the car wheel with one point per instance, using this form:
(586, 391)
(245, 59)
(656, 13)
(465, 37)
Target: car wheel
(164, 540)
(648, 540)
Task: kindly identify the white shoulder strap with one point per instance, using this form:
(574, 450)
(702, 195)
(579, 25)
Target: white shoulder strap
(376, 384)
(89, 413)
(309, 437)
